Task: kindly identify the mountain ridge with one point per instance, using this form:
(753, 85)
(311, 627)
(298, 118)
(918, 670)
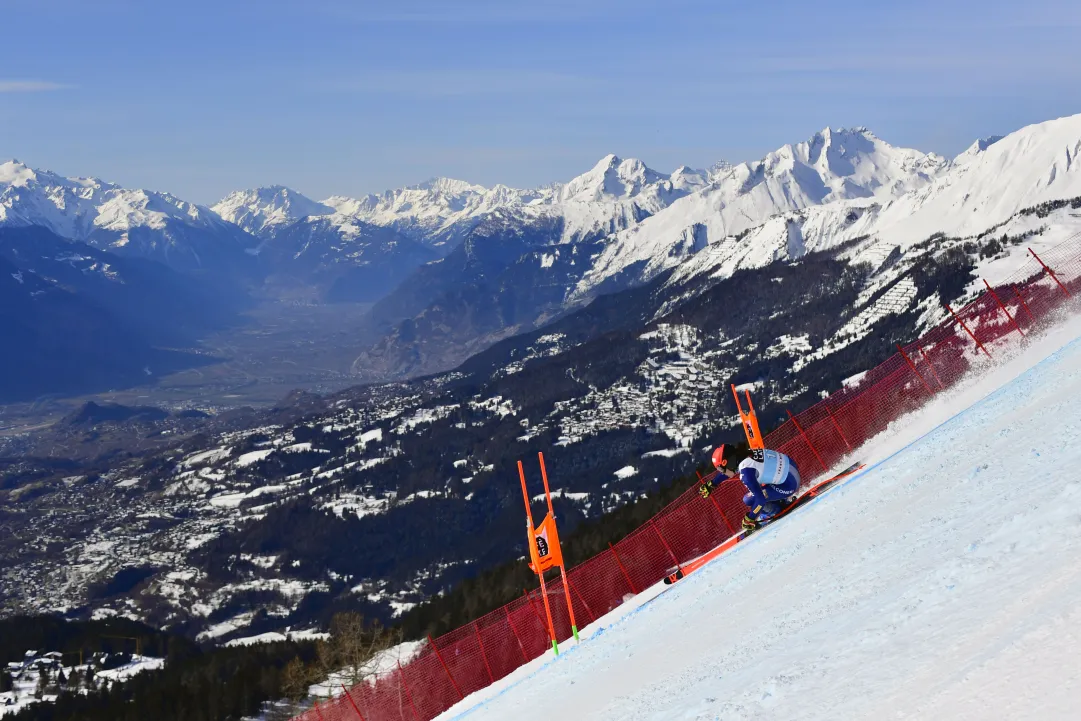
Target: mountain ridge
(371, 496)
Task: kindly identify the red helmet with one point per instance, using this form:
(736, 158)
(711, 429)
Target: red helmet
(719, 461)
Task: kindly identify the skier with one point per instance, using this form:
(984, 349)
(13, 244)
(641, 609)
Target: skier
(771, 479)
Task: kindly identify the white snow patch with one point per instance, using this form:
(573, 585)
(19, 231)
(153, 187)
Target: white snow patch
(252, 457)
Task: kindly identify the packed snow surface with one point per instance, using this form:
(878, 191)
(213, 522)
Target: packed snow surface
(942, 582)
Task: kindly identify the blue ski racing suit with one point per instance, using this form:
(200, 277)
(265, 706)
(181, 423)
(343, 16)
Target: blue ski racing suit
(771, 479)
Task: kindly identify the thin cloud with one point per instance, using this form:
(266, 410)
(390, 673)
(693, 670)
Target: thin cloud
(30, 86)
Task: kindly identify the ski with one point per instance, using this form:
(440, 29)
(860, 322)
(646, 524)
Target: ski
(816, 490)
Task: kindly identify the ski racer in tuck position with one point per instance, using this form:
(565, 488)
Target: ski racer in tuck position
(771, 479)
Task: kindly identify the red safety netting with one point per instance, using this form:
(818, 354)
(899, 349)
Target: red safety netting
(475, 655)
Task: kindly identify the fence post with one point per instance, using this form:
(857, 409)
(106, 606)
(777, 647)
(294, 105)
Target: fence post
(444, 665)
(712, 498)
(483, 655)
(352, 703)
(1003, 307)
(320, 713)
(807, 440)
(525, 657)
(533, 608)
(723, 517)
(970, 333)
(582, 598)
(1023, 303)
(913, 367)
(408, 694)
(666, 547)
(838, 427)
(932, 367)
(1048, 269)
(626, 576)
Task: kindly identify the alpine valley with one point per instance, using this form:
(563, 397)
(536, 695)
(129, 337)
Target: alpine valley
(448, 330)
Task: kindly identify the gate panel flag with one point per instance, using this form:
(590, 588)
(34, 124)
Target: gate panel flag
(546, 548)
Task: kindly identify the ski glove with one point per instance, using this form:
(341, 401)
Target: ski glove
(705, 488)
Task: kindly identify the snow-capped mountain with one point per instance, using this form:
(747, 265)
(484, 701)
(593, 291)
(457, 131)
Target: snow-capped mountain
(263, 210)
(454, 266)
(982, 192)
(613, 195)
(618, 194)
(833, 165)
(622, 224)
(987, 185)
(367, 246)
(439, 212)
(129, 222)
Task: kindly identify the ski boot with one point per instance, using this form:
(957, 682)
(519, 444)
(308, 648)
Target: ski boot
(760, 515)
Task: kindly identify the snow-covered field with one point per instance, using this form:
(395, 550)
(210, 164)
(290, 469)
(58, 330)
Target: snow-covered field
(942, 582)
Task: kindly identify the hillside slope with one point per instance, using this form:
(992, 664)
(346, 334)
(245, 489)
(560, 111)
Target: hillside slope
(935, 584)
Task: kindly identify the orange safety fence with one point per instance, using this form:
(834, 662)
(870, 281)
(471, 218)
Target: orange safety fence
(480, 653)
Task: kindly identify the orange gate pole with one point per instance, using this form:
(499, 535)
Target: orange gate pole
(544, 591)
(1003, 307)
(320, 713)
(748, 419)
(562, 568)
(533, 554)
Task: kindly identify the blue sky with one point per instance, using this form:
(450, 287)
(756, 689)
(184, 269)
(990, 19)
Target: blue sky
(334, 97)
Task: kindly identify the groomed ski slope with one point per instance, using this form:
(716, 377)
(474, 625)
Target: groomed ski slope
(942, 582)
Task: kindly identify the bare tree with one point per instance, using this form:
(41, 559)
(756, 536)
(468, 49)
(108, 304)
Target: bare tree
(355, 645)
(296, 679)
(348, 657)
